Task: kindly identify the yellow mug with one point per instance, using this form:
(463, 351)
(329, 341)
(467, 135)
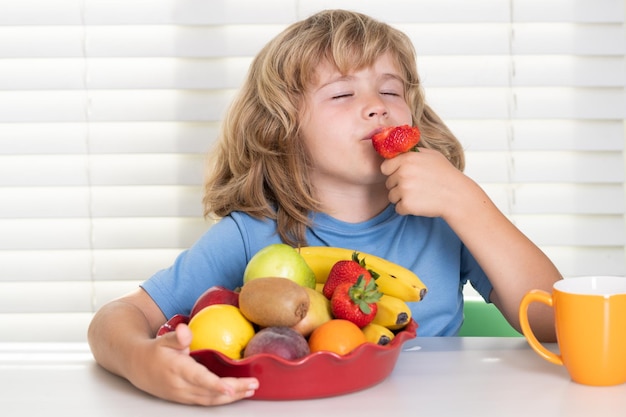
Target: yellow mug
(590, 320)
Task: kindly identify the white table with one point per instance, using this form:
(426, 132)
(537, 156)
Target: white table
(433, 377)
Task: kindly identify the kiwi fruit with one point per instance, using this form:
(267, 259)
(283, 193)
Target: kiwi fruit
(273, 301)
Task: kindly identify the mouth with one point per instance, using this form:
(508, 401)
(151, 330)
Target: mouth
(372, 133)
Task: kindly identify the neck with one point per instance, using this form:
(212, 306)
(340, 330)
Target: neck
(353, 206)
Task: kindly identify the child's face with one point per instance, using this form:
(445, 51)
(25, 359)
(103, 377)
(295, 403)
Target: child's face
(342, 112)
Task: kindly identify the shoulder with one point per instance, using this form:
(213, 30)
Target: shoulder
(254, 233)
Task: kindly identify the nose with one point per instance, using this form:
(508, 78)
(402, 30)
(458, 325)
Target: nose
(375, 107)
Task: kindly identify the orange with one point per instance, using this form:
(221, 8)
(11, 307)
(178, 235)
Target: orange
(337, 335)
(221, 327)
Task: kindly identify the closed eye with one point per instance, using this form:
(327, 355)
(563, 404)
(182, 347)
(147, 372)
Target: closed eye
(338, 96)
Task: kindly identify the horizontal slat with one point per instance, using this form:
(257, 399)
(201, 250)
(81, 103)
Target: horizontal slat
(46, 297)
(563, 70)
(574, 103)
(600, 167)
(135, 41)
(156, 169)
(269, 11)
(122, 201)
(102, 233)
(150, 201)
(573, 230)
(568, 135)
(64, 170)
(43, 138)
(568, 11)
(533, 134)
(27, 170)
(135, 11)
(228, 73)
(577, 261)
(108, 138)
(528, 103)
(242, 40)
(25, 202)
(44, 327)
(558, 198)
(524, 71)
(560, 167)
(83, 265)
(50, 265)
(114, 233)
(103, 105)
(73, 233)
(569, 38)
(122, 73)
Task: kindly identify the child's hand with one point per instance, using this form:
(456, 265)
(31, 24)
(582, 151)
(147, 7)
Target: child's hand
(165, 369)
(424, 183)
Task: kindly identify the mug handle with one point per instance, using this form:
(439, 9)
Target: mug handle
(541, 297)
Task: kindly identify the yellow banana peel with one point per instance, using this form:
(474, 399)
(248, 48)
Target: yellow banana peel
(393, 313)
(393, 279)
(378, 334)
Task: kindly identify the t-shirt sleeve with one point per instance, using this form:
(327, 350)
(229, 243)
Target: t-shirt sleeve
(217, 258)
(473, 273)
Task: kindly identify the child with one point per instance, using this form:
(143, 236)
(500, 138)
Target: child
(295, 163)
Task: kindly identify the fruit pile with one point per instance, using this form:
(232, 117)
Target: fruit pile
(299, 301)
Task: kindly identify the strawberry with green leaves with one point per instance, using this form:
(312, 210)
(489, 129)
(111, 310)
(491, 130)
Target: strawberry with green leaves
(356, 302)
(347, 270)
(394, 140)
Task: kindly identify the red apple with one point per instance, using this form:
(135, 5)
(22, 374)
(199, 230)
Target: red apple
(215, 295)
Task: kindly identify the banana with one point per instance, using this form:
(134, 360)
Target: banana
(393, 279)
(393, 313)
(378, 334)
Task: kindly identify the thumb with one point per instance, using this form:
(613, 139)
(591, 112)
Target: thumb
(179, 339)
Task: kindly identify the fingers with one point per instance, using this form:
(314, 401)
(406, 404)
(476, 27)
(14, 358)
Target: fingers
(183, 336)
(197, 385)
(178, 339)
(189, 382)
(213, 390)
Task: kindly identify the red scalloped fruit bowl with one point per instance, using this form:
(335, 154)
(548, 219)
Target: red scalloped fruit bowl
(320, 374)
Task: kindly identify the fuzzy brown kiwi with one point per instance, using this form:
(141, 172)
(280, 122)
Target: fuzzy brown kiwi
(273, 301)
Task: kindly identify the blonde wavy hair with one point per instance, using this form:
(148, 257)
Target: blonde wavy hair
(260, 164)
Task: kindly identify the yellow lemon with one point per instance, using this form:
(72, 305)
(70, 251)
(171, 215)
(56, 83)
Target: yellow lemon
(221, 327)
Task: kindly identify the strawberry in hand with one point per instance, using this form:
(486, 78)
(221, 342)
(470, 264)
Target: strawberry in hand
(356, 302)
(347, 271)
(392, 141)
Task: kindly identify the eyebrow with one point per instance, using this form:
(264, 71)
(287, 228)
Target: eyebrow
(334, 80)
(341, 78)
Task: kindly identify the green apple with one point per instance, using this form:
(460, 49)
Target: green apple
(280, 260)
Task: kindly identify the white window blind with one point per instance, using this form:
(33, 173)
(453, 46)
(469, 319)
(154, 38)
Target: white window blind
(108, 107)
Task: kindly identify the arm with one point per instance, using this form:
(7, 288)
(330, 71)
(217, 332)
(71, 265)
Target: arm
(425, 183)
(121, 337)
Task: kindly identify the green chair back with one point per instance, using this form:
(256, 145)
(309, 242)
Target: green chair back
(482, 319)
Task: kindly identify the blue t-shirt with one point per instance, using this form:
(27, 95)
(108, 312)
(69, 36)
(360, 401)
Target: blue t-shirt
(427, 246)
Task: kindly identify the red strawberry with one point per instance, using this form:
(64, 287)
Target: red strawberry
(392, 141)
(356, 302)
(346, 271)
